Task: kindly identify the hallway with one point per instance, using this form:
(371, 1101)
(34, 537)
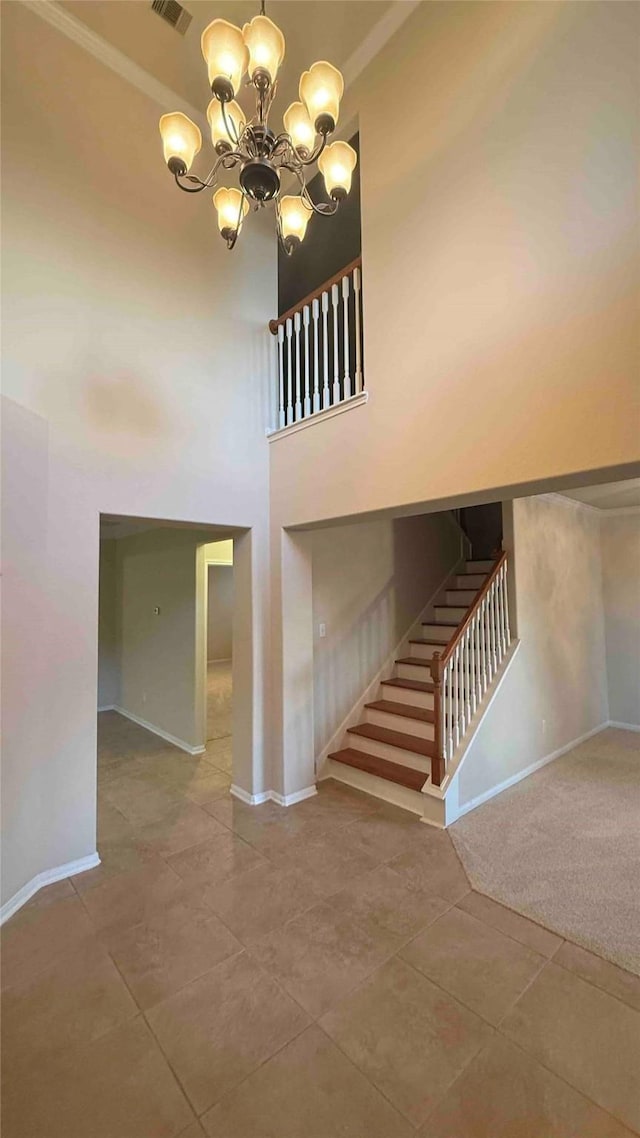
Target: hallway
(315, 970)
(219, 699)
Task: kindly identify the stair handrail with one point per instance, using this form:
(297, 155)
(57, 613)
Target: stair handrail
(438, 663)
(317, 292)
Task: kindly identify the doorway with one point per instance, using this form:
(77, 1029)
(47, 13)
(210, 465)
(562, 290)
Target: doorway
(219, 651)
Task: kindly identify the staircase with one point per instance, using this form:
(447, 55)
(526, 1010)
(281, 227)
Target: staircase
(410, 733)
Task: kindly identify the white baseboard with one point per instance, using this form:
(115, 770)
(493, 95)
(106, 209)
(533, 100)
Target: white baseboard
(291, 799)
(107, 707)
(272, 796)
(473, 803)
(250, 799)
(47, 877)
(158, 731)
(622, 726)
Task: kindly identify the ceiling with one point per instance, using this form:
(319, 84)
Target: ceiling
(313, 29)
(118, 526)
(610, 496)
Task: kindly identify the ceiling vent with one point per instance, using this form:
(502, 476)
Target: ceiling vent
(173, 13)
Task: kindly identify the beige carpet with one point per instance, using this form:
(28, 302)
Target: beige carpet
(219, 699)
(563, 846)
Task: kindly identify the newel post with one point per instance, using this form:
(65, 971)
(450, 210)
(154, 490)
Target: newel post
(437, 762)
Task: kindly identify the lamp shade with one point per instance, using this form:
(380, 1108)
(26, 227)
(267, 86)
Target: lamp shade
(299, 126)
(265, 43)
(232, 209)
(294, 218)
(336, 164)
(181, 141)
(220, 136)
(226, 58)
(321, 89)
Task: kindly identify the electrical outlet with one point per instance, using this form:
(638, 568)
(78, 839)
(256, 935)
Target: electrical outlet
(322, 630)
(156, 610)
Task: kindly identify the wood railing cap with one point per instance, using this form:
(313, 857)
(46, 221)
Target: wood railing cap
(275, 324)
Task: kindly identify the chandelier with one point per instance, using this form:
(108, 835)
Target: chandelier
(262, 155)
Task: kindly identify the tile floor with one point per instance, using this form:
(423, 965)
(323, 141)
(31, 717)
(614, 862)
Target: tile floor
(323, 971)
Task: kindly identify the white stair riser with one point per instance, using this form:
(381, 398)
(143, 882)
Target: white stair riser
(425, 652)
(399, 723)
(401, 796)
(453, 616)
(479, 566)
(437, 632)
(476, 581)
(407, 696)
(386, 751)
(467, 598)
(413, 672)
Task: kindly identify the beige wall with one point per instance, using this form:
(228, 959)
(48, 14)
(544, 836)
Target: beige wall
(370, 583)
(499, 267)
(160, 669)
(556, 688)
(133, 385)
(219, 551)
(108, 629)
(219, 612)
(621, 572)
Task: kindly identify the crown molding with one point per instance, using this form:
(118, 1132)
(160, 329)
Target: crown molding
(111, 57)
(591, 508)
(375, 40)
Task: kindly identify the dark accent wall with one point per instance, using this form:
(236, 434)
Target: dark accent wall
(330, 244)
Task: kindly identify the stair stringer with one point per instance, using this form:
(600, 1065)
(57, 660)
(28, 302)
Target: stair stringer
(441, 802)
(354, 716)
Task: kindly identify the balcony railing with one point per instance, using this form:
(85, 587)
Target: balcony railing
(319, 348)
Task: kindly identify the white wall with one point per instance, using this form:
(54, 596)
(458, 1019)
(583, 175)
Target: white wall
(556, 688)
(160, 668)
(219, 612)
(621, 572)
(108, 627)
(370, 583)
(133, 385)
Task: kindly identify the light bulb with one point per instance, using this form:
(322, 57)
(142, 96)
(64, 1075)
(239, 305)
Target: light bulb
(265, 43)
(223, 141)
(321, 89)
(226, 58)
(181, 141)
(336, 164)
(294, 218)
(299, 127)
(232, 209)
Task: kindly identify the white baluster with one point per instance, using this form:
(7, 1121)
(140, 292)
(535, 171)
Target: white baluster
(472, 677)
(467, 679)
(448, 723)
(494, 631)
(499, 606)
(483, 649)
(325, 349)
(306, 313)
(296, 325)
(357, 302)
(336, 346)
(281, 408)
(345, 317)
(496, 621)
(289, 373)
(456, 693)
(315, 309)
(505, 601)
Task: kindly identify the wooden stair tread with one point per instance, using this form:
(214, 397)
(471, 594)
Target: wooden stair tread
(383, 768)
(409, 685)
(448, 607)
(442, 623)
(419, 746)
(390, 707)
(439, 643)
(419, 661)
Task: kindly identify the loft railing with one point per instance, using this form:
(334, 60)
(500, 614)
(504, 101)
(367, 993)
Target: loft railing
(462, 674)
(319, 348)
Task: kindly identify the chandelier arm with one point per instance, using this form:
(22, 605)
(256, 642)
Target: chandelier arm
(227, 161)
(325, 209)
(229, 123)
(287, 250)
(315, 154)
